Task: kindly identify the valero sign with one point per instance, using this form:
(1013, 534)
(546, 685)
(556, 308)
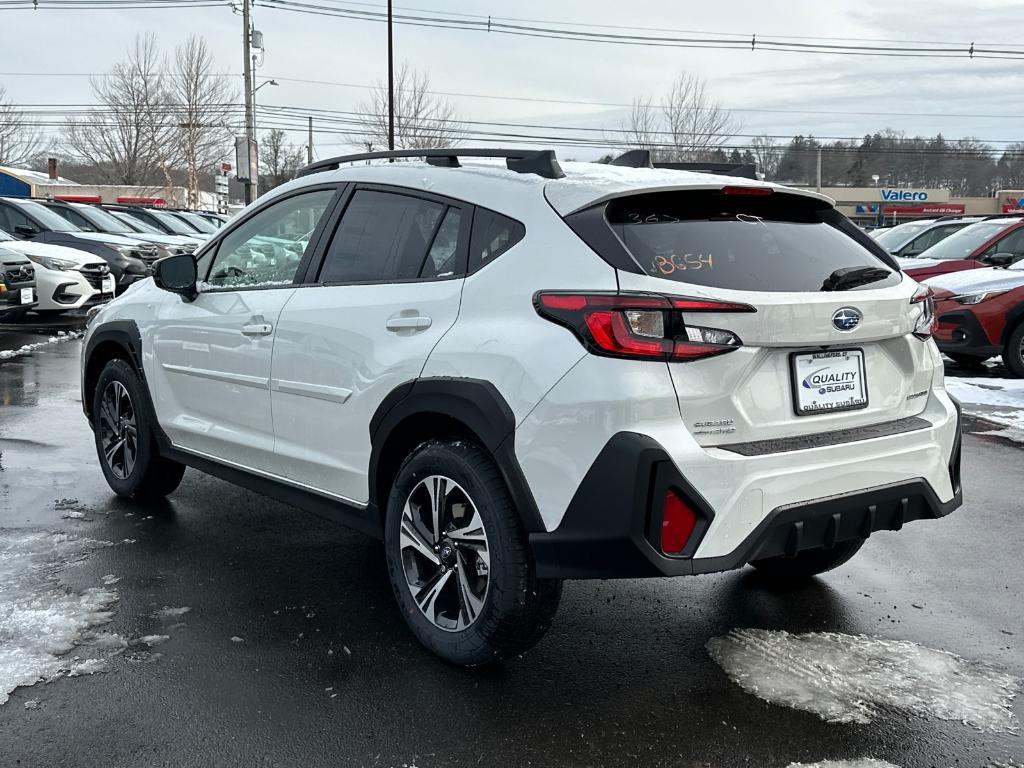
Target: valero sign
(904, 195)
(1014, 205)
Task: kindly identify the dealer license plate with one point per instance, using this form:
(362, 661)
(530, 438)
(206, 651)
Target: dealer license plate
(828, 381)
(108, 284)
(26, 296)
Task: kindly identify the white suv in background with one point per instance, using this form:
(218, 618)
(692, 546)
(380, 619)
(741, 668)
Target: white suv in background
(515, 375)
(66, 278)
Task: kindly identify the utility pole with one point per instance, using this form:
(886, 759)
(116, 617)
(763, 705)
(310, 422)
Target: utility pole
(391, 85)
(309, 143)
(819, 169)
(250, 128)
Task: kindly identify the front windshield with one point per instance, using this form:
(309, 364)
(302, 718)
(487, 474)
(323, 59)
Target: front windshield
(176, 225)
(50, 220)
(198, 222)
(136, 225)
(103, 221)
(893, 238)
(966, 241)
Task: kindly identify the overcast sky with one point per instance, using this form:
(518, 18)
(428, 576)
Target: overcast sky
(959, 97)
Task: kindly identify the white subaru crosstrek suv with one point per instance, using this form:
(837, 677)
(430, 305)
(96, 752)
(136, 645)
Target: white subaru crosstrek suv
(516, 375)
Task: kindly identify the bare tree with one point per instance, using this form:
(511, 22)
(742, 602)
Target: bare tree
(691, 125)
(768, 154)
(279, 160)
(202, 109)
(126, 135)
(20, 141)
(422, 119)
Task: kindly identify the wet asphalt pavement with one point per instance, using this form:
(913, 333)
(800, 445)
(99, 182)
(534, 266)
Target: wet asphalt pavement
(326, 674)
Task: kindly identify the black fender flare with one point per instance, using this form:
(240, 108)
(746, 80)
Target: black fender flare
(476, 404)
(123, 333)
(1013, 317)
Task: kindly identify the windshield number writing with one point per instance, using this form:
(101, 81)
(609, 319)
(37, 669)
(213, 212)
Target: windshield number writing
(666, 265)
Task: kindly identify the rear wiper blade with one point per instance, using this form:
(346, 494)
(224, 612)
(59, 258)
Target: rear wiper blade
(845, 278)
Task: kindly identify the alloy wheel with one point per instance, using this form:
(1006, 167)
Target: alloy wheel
(445, 553)
(119, 435)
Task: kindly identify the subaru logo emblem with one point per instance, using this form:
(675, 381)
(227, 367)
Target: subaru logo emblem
(846, 319)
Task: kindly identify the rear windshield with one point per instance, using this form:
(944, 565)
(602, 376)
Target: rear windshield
(966, 241)
(775, 242)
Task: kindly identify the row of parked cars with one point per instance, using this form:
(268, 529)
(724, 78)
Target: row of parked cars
(62, 256)
(975, 267)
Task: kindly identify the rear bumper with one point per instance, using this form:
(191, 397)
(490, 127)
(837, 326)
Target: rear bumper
(609, 527)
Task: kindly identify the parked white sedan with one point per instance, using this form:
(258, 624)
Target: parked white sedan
(66, 278)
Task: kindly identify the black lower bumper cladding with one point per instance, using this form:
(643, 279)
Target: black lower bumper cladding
(610, 528)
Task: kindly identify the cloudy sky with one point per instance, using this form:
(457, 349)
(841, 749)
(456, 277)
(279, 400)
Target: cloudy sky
(570, 83)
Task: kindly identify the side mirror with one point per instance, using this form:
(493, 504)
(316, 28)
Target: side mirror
(177, 274)
(24, 230)
(1002, 259)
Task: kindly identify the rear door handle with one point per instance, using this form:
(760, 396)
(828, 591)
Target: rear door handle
(257, 329)
(407, 323)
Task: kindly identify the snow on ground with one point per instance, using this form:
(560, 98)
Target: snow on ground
(41, 619)
(850, 678)
(6, 354)
(997, 400)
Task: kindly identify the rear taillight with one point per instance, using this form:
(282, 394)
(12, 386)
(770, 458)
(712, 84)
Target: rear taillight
(678, 519)
(923, 302)
(640, 325)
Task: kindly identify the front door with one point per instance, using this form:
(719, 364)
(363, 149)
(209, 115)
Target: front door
(387, 291)
(212, 355)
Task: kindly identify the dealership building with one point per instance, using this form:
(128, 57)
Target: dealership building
(885, 206)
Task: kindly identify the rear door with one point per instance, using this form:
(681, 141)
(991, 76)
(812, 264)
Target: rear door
(387, 289)
(212, 355)
(827, 340)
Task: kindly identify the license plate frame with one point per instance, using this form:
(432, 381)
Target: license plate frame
(26, 296)
(108, 286)
(800, 407)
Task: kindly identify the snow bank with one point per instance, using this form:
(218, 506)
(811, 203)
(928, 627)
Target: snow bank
(7, 354)
(998, 400)
(849, 679)
(40, 619)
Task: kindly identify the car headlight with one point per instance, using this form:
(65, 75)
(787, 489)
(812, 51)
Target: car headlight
(61, 265)
(975, 298)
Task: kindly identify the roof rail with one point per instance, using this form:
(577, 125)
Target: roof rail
(1003, 216)
(634, 158)
(741, 170)
(541, 162)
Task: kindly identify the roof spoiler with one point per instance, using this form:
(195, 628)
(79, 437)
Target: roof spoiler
(540, 162)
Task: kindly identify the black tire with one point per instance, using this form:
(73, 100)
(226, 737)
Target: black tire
(147, 476)
(517, 606)
(966, 361)
(807, 564)
(1013, 355)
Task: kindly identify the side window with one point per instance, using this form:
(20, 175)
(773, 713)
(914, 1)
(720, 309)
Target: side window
(444, 252)
(16, 218)
(382, 236)
(76, 218)
(493, 234)
(1012, 243)
(266, 250)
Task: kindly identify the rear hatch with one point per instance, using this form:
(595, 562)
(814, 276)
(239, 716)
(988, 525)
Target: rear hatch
(818, 325)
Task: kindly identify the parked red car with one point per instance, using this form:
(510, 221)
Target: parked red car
(980, 314)
(979, 245)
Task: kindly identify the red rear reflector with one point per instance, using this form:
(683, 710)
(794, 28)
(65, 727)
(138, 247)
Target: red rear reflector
(677, 523)
(747, 191)
(563, 301)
